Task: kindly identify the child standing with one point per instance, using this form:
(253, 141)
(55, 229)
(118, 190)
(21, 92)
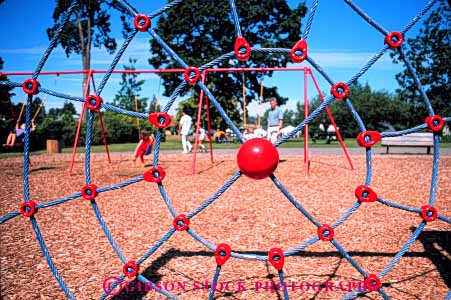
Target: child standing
(145, 141)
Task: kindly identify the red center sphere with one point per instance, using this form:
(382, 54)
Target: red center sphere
(257, 158)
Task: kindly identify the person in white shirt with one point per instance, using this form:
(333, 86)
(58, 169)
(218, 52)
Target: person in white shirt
(184, 129)
(202, 136)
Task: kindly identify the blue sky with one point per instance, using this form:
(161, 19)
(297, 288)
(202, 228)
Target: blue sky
(340, 41)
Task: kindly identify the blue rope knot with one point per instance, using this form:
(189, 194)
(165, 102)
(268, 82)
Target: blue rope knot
(276, 257)
(326, 232)
(242, 50)
(299, 52)
(156, 174)
(222, 253)
(367, 138)
(180, 223)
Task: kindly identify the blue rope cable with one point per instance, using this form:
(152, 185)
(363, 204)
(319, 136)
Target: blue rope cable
(418, 17)
(168, 49)
(174, 96)
(355, 114)
(444, 218)
(88, 147)
(155, 247)
(124, 112)
(53, 42)
(49, 260)
(156, 151)
(216, 195)
(294, 202)
(367, 66)
(403, 132)
(115, 61)
(369, 166)
(9, 216)
(59, 201)
(310, 19)
(120, 185)
(301, 247)
(349, 258)
(417, 81)
(398, 206)
(128, 7)
(346, 215)
(236, 20)
(213, 283)
(107, 232)
(320, 70)
(435, 166)
(10, 84)
(404, 249)
(367, 18)
(221, 111)
(26, 147)
(282, 285)
(60, 95)
(166, 199)
(448, 296)
(164, 8)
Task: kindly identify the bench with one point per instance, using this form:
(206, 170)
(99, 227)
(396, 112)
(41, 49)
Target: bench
(419, 139)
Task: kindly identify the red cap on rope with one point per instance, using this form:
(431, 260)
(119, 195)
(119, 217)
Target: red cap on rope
(435, 123)
(429, 213)
(28, 209)
(299, 51)
(93, 102)
(372, 282)
(192, 75)
(276, 258)
(130, 269)
(180, 223)
(368, 138)
(222, 254)
(30, 86)
(365, 194)
(325, 232)
(340, 90)
(160, 119)
(155, 174)
(394, 39)
(242, 49)
(141, 22)
(89, 191)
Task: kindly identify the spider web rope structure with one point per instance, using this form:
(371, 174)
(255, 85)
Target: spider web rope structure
(339, 90)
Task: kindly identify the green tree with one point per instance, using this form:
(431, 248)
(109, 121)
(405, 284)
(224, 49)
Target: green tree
(200, 31)
(89, 25)
(429, 54)
(130, 88)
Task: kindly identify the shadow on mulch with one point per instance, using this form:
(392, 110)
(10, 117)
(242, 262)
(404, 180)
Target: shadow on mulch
(435, 243)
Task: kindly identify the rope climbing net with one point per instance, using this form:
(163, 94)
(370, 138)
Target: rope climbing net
(251, 166)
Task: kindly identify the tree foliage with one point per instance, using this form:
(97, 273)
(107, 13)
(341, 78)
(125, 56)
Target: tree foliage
(429, 54)
(200, 31)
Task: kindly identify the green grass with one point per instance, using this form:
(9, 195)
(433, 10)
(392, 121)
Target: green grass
(174, 143)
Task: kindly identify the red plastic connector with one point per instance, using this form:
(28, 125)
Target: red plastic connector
(141, 22)
(276, 258)
(429, 213)
(325, 232)
(394, 39)
(155, 174)
(192, 75)
(222, 254)
(435, 123)
(257, 158)
(365, 194)
(30, 86)
(89, 191)
(372, 282)
(340, 90)
(130, 269)
(28, 209)
(368, 138)
(242, 49)
(159, 119)
(180, 223)
(299, 51)
(93, 102)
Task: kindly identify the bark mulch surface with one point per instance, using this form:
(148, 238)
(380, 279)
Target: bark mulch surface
(252, 216)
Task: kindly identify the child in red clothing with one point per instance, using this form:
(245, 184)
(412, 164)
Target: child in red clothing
(145, 141)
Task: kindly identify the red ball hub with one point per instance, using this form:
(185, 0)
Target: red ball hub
(257, 158)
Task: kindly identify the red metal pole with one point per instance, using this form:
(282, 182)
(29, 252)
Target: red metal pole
(306, 134)
(339, 137)
(196, 139)
(210, 140)
(91, 71)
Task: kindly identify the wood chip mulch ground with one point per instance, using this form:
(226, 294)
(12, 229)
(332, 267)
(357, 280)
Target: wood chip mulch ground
(252, 217)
